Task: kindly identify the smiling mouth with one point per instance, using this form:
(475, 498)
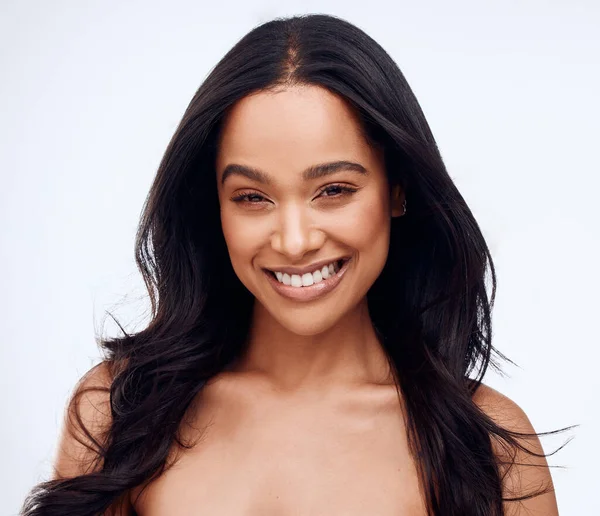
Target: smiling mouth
(309, 285)
(307, 279)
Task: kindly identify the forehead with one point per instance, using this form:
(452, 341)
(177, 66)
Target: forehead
(291, 129)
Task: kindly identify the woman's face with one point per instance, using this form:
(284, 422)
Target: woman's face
(305, 205)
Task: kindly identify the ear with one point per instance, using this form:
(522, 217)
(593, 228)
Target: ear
(397, 201)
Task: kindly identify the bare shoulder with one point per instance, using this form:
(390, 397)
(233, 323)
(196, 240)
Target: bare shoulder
(502, 409)
(86, 420)
(86, 423)
(523, 472)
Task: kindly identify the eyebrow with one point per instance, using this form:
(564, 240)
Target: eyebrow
(312, 172)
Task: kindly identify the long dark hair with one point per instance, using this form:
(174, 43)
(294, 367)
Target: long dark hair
(431, 304)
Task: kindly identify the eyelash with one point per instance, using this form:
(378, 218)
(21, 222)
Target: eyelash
(344, 190)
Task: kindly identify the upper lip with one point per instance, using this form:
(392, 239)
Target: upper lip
(309, 268)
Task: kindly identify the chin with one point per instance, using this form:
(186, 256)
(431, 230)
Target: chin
(306, 325)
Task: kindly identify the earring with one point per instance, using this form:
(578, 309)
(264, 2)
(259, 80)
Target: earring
(404, 206)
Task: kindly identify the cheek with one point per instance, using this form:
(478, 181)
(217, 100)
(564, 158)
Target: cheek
(366, 224)
(243, 236)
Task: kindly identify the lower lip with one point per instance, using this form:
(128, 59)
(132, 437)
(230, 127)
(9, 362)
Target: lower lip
(311, 292)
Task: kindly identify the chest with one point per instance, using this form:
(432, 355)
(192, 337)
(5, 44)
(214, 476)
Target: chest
(289, 461)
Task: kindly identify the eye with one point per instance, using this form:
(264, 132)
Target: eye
(336, 190)
(249, 197)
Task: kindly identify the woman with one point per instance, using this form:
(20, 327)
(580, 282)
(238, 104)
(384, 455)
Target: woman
(321, 323)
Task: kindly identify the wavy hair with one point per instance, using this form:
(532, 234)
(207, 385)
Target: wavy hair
(431, 305)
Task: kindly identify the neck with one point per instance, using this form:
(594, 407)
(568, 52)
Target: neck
(349, 353)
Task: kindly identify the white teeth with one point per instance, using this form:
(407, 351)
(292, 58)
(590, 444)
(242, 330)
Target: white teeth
(307, 279)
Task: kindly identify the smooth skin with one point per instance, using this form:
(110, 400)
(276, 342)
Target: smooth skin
(308, 421)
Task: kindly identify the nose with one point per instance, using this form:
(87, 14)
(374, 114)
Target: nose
(296, 234)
